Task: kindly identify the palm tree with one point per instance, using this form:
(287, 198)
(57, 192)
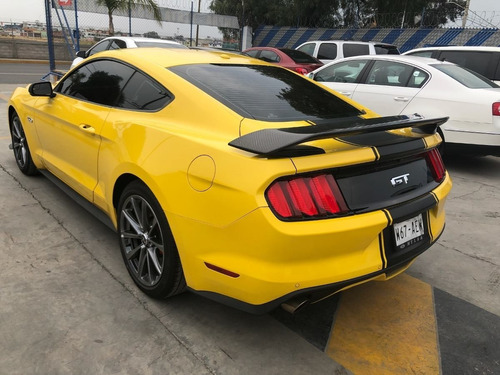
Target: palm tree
(113, 5)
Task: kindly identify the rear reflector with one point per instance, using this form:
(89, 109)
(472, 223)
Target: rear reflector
(495, 109)
(306, 197)
(221, 270)
(436, 164)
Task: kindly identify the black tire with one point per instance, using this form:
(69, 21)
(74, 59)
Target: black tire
(147, 245)
(20, 147)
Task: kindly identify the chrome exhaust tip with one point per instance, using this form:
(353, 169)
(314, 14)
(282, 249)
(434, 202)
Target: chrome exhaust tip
(295, 304)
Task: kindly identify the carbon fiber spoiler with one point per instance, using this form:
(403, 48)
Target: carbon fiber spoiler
(269, 141)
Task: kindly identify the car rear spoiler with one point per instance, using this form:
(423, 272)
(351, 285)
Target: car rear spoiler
(268, 141)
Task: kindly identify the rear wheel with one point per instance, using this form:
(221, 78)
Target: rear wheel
(20, 146)
(147, 245)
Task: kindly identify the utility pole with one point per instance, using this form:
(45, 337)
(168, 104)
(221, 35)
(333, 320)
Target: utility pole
(466, 14)
(198, 26)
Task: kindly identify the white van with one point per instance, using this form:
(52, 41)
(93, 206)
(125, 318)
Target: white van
(483, 60)
(329, 50)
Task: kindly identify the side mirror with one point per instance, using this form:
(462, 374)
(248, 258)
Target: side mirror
(82, 54)
(310, 75)
(41, 89)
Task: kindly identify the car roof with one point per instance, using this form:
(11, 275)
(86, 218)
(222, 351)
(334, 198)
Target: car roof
(168, 57)
(456, 48)
(141, 39)
(417, 60)
(350, 41)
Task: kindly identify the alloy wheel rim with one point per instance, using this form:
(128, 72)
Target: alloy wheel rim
(19, 142)
(142, 240)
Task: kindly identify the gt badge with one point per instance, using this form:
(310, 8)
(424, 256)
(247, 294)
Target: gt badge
(398, 180)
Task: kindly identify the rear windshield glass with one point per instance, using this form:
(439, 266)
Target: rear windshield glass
(465, 76)
(265, 93)
(299, 57)
(381, 49)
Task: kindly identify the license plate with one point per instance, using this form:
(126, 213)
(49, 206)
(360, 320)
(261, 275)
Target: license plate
(409, 231)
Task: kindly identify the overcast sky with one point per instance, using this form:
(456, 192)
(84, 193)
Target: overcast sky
(31, 10)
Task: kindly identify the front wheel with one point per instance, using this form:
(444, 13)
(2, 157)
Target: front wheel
(20, 146)
(147, 245)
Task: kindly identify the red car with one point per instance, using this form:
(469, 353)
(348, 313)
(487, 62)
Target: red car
(297, 61)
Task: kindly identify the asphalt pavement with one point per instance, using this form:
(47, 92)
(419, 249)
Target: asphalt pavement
(68, 306)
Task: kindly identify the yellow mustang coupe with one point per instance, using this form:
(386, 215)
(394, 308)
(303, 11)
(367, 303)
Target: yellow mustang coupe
(238, 180)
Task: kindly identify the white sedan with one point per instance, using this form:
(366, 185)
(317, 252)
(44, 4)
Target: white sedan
(411, 85)
(118, 42)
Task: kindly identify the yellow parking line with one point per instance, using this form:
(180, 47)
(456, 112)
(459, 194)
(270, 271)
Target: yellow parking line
(2, 138)
(4, 97)
(386, 328)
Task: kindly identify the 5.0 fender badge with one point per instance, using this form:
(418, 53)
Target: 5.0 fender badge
(30, 120)
(398, 180)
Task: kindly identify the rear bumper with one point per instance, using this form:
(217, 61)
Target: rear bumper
(275, 261)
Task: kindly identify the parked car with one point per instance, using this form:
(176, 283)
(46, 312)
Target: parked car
(329, 50)
(288, 58)
(232, 177)
(119, 42)
(409, 84)
(482, 60)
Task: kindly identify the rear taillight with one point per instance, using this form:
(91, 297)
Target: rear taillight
(306, 197)
(495, 109)
(303, 71)
(436, 164)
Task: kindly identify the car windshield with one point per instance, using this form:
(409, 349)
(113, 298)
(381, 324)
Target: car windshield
(265, 93)
(299, 57)
(465, 76)
(160, 45)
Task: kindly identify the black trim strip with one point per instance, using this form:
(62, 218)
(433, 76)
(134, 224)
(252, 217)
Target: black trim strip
(409, 209)
(381, 248)
(92, 209)
(268, 141)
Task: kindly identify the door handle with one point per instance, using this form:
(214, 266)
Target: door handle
(346, 93)
(87, 128)
(401, 98)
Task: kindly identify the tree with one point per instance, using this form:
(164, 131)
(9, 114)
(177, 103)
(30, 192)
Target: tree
(113, 5)
(340, 13)
(300, 13)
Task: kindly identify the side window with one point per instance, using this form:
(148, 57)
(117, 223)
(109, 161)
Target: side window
(307, 48)
(117, 44)
(390, 73)
(269, 56)
(327, 51)
(253, 53)
(474, 60)
(101, 46)
(348, 71)
(98, 81)
(142, 93)
(355, 49)
(417, 78)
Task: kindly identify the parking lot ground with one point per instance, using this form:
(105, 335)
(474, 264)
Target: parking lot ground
(67, 304)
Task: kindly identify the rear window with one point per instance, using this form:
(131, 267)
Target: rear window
(381, 49)
(465, 76)
(299, 57)
(354, 49)
(265, 93)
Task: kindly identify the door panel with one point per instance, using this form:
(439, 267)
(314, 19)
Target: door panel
(69, 133)
(389, 87)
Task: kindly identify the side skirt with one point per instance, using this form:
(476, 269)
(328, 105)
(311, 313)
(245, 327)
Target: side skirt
(92, 209)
